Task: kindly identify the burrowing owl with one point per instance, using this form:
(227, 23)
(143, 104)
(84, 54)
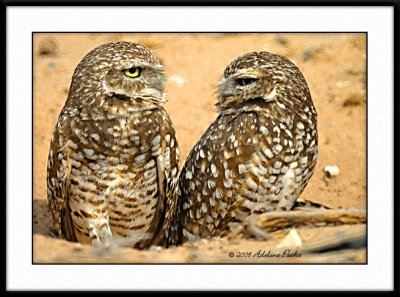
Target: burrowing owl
(259, 153)
(113, 160)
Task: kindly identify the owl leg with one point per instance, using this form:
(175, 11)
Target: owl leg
(91, 222)
(100, 233)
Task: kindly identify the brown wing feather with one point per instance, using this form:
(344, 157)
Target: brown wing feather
(58, 173)
(166, 162)
(218, 178)
(205, 200)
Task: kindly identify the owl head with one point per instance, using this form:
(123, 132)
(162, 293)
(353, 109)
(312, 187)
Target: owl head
(263, 78)
(114, 74)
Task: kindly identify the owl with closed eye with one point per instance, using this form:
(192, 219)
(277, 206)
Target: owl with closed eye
(113, 158)
(257, 156)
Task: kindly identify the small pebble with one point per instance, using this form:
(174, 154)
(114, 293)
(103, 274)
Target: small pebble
(156, 248)
(47, 47)
(281, 40)
(310, 53)
(178, 80)
(291, 240)
(331, 171)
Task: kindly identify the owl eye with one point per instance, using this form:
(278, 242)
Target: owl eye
(245, 81)
(133, 71)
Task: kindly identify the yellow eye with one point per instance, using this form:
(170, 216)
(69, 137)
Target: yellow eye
(133, 72)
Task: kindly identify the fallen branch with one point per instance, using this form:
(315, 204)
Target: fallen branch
(337, 242)
(284, 219)
(259, 226)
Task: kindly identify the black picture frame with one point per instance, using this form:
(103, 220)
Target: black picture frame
(6, 4)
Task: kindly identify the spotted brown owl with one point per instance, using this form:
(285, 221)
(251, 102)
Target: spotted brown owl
(113, 159)
(256, 157)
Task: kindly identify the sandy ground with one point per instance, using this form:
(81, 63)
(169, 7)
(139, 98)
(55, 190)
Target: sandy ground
(334, 66)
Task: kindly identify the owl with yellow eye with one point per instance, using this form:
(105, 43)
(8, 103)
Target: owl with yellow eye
(133, 72)
(113, 158)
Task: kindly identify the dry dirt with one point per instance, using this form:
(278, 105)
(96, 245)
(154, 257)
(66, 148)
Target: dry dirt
(334, 66)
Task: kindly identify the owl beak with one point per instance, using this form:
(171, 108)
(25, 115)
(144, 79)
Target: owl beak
(271, 95)
(119, 96)
(226, 87)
